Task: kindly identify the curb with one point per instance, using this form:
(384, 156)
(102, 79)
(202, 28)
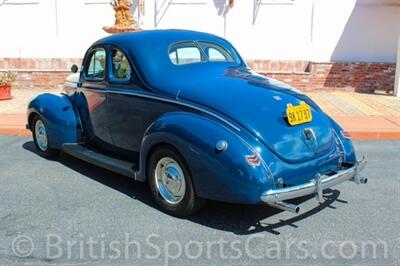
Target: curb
(22, 132)
(378, 135)
(13, 124)
(365, 129)
(355, 135)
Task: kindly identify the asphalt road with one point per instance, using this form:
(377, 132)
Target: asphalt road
(69, 212)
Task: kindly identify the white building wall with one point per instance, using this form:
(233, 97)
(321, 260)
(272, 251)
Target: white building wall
(271, 31)
(318, 30)
(397, 78)
(362, 30)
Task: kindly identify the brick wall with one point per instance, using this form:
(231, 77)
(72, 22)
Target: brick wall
(39, 72)
(304, 75)
(314, 76)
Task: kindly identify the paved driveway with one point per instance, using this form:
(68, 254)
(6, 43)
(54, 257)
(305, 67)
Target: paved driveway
(67, 211)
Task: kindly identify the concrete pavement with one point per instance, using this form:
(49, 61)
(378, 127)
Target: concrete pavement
(68, 212)
(364, 116)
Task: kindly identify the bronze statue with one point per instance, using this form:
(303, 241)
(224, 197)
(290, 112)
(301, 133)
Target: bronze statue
(124, 21)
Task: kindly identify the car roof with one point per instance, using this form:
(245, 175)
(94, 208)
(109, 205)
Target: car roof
(158, 35)
(149, 52)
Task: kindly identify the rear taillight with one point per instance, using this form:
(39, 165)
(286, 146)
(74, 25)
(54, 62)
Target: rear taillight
(253, 160)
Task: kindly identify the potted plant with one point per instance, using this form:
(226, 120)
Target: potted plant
(6, 78)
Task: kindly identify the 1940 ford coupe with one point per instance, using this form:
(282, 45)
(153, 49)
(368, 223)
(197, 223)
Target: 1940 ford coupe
(182, 111)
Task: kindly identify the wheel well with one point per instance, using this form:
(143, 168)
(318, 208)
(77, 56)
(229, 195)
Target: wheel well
(30, 119)
(159, 146)
(169, 146)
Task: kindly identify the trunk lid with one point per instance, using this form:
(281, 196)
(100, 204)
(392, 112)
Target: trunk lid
(259, 105)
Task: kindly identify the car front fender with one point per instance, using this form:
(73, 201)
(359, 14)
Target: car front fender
(218, 175)
(59, 116)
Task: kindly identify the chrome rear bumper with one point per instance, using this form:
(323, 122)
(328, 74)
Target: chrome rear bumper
(276, 197)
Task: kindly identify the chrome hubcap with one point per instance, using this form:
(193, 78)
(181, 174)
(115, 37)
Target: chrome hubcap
(170, 180)
(41, 135)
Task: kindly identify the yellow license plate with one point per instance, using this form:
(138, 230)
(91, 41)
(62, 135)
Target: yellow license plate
(298, 114)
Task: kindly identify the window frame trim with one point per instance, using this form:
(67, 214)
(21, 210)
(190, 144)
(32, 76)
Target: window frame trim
(111, 78)
(195, 44)
(235, 58)
(88, 59)
(135, 82)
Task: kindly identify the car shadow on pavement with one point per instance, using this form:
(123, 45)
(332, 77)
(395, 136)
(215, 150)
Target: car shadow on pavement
(239, 219)
(251, 219)
(123, 184)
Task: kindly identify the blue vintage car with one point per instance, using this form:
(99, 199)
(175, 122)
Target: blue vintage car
(182, 111)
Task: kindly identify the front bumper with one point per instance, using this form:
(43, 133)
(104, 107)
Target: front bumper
(276, 197)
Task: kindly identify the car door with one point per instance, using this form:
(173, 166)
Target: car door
(131, 106)
(93, 103)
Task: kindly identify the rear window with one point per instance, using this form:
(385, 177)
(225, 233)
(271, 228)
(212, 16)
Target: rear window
(216, 53)
(185, 53)
(191, 52)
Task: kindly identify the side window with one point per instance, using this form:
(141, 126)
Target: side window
(96, 67)
(121, 69)
(185, 53)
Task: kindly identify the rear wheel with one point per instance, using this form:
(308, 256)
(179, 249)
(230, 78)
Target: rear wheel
(170, 183)
(41, 138)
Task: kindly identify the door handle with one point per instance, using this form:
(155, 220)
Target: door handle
(101, 97)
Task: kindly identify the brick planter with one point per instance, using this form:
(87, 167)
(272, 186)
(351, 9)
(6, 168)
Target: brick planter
(5, 92)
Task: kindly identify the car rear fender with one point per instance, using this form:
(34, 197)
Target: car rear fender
(219, 175)
(345, 142)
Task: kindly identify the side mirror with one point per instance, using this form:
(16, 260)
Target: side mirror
(74, 68)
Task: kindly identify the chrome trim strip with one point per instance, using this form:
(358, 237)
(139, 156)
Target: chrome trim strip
(315, 185)
(153, 97)
(341, 144)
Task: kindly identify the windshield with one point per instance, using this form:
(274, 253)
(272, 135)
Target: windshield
(197, 52)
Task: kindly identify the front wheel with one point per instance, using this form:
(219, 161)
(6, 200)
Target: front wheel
(171, 184)
(41, 138)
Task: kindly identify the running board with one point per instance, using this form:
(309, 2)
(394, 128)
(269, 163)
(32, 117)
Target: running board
(91, 156)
